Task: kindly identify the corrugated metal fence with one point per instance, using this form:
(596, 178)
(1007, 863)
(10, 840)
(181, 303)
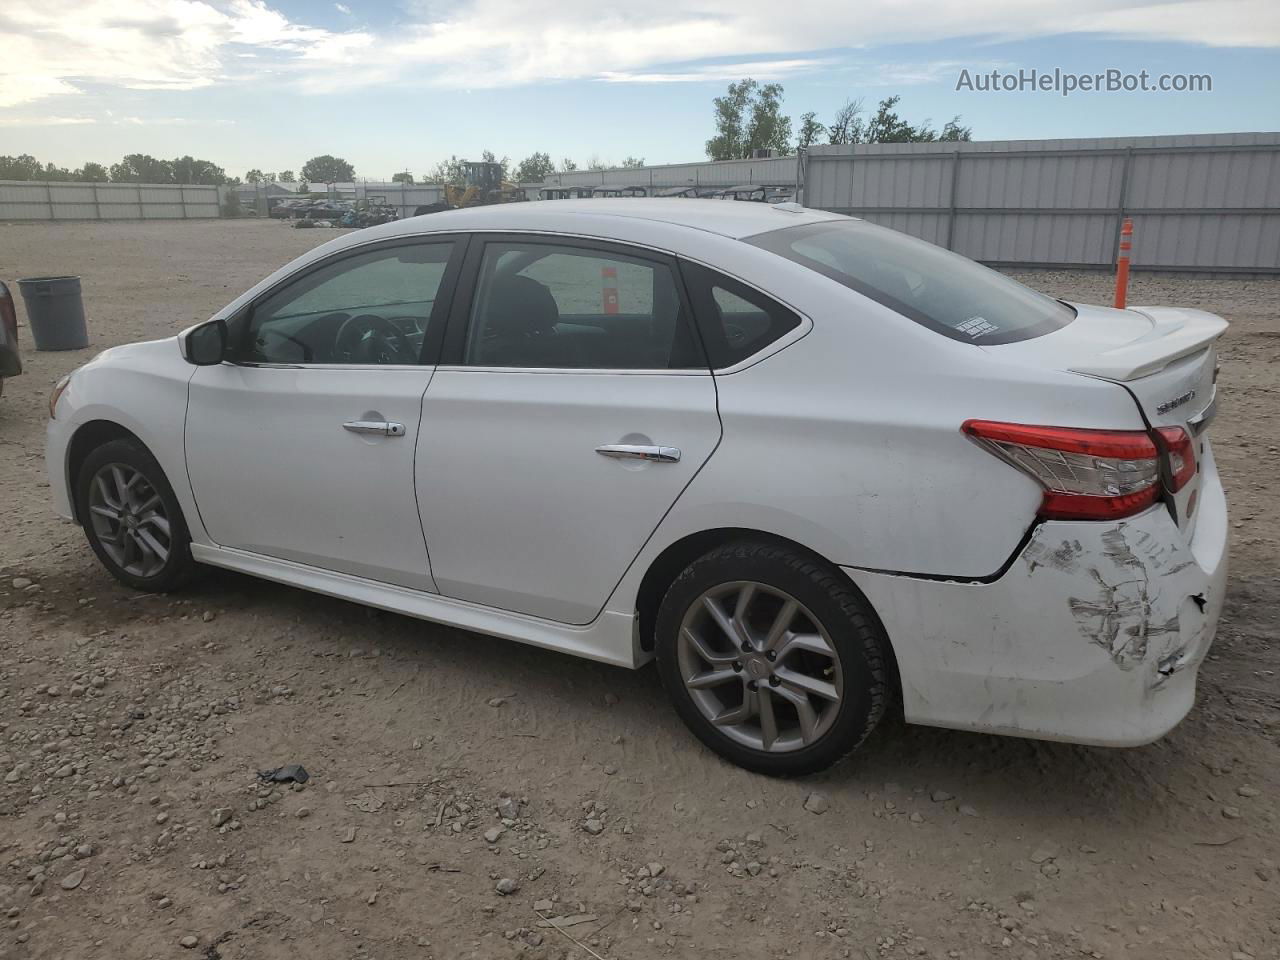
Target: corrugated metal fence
(38, 200)
(773, 171)
(1209, 202)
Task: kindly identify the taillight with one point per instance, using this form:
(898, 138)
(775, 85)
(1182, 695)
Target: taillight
(1086, 474)
(1180, 450)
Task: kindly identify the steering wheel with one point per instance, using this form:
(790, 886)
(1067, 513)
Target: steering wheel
(368, 338)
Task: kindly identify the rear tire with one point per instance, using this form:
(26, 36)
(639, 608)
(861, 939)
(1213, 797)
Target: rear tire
(132, 519)
(772, 658)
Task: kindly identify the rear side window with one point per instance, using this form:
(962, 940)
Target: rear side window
(736, 321)
(546, 305)
(942, 290)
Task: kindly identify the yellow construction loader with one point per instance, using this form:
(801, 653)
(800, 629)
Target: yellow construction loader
(482, 184)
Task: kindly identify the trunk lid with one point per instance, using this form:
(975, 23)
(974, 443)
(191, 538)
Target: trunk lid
(1164, 357)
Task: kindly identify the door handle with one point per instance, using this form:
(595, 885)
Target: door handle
(635, 451)
(382, 428)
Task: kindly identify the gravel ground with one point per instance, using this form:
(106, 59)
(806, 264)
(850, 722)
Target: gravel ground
(462, 789)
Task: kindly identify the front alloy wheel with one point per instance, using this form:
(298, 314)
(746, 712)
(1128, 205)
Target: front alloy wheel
(129, 518)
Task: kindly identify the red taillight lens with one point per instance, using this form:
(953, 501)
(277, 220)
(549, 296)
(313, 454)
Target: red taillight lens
(1086, 474)
(1181, 452)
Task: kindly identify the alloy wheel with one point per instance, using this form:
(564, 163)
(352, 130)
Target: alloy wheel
(129, 520)
(759, 666)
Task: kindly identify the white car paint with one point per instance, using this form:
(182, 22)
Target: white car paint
(519, 510)
(843, 437)
(274, 473)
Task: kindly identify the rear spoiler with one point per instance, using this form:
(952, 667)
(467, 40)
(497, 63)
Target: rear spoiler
(1175, 333)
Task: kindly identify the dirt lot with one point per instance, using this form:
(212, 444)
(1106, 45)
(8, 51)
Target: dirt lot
(444, 763)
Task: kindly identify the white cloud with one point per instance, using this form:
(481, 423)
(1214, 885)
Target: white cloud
(342, 8)
(44, 121)
(53, 48)
(763, 70)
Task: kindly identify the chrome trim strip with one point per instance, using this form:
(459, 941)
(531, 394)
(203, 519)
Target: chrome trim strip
(635, 451)
(1200, 422)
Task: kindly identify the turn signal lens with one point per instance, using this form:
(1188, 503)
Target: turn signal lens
(59, 389)
(1086, 474)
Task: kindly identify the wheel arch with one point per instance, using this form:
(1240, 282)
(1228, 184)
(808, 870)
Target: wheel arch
(668, 564)
(87, 438)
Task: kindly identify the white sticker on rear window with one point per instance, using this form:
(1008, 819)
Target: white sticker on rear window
(977, 326)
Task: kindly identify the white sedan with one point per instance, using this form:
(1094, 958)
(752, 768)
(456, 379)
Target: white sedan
(811, 466)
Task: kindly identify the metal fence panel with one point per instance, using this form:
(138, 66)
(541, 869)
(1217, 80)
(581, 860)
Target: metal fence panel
(769, 171)
(37, 200)
(1198, 202)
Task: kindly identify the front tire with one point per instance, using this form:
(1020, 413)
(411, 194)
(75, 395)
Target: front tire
(772, 658)
(132, 519)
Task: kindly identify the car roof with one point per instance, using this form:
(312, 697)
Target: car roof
(733, 220)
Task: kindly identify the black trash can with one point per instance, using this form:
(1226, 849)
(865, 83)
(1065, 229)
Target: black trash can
(55, 312)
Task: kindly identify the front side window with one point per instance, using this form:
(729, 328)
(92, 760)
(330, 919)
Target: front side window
(939, 289)
(553, 306)
(369, 308)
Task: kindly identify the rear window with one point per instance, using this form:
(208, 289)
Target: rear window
(934, 287)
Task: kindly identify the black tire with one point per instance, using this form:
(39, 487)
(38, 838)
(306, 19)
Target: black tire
(831, 602)
(178, 567)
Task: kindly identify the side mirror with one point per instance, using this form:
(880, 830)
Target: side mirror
(205, 344)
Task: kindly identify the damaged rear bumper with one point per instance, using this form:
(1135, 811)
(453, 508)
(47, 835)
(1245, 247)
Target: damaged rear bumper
(1094, 634)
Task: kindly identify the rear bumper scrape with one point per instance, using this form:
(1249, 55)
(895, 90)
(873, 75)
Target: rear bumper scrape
(1094, 634)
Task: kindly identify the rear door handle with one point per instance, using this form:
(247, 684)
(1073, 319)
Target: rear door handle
(382, 428)
(635, 451)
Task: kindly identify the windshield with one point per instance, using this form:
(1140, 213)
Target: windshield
(932, 286)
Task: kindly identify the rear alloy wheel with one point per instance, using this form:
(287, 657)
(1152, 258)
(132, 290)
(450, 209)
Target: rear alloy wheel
(772, 658)
(759, 666)
(132, 519)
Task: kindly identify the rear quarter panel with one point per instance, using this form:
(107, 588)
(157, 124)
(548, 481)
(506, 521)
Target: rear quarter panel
(848, 441)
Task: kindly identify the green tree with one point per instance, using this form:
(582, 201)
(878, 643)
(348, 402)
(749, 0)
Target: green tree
(885, 126)
(847, 125)
(93, 173)
(404, 176)
(810, 130)
(730, 112)
(328, 169)
(535, 168)
(254, 176)
(55, 173)
(141, 168)
(304, 187)
(445, 172)
(286, 176)
(770, 128)
(951, 130)
(631, 163)
(190, 170)
(22, 167)
(567, 165)
(231, 204)
(749, 117)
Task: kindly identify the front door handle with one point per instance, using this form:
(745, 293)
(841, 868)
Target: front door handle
(635, 451)
(382, 428)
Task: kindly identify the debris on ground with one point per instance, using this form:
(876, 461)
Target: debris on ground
(289, 773)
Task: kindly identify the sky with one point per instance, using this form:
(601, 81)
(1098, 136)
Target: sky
(403, 84)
